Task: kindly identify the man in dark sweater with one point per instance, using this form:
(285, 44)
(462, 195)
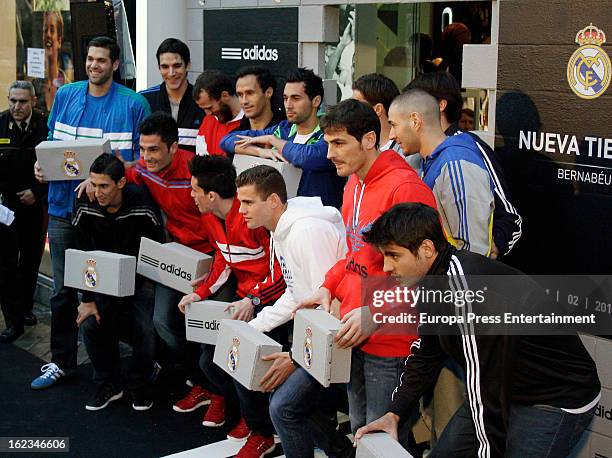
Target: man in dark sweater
(115, 221)
(518, 403)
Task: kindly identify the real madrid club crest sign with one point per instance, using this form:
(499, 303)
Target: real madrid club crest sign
(233, 356)
(308, 348)
(90, 276)
(71, 166)
(589, 69)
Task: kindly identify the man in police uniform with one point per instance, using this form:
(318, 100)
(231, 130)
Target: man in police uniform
(21, 243)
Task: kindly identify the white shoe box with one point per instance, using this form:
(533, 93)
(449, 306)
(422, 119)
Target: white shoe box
(315, 350)
(602, 421)
(291, 174)
(171, 264)
(100, 272)
(69, 159)
(202, 320)
(239, 350)
(380, 445)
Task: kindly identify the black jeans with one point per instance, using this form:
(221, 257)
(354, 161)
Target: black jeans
(21, 249)
(127, 319)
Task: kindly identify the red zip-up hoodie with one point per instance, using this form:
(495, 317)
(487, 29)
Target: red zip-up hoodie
(389, 181)
(246, 253)
(171, 191)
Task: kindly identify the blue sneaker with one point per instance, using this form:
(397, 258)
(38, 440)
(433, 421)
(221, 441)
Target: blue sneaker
(51, 375)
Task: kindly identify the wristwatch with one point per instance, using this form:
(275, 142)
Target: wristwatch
(254, 299)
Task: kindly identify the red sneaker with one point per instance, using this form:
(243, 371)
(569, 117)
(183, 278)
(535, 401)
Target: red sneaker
(257, 446)
(215, 415)
(197, 397)
(239, 432)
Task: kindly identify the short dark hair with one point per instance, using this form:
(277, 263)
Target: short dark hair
(106, 43)
(443, 86)
(108, 164)
(468, 111)
(407, 225)
(174, 46)
(377, 88)
(267, 180)
(265, 79)
(356, 117)
(162, 124)
(214, 82)
(313, 84)
(214, 174)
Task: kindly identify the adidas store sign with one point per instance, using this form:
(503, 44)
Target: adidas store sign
(254, 53)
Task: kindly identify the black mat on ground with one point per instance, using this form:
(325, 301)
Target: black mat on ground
(117, 431)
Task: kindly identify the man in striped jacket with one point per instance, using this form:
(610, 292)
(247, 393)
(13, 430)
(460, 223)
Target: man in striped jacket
(507, 222)
(453, 168)
(517, 402)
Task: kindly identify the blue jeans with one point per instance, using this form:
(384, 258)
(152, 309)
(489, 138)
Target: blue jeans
(304, 415)
(373, 379)
(533, 432)
(127, 319)
(64, 302)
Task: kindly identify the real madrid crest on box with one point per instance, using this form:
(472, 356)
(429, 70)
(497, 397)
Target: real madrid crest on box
(239, 352)
(589, 69)
(101, 272)
(233, 357)
(71, 166)
(308, 348)
(69, 159)
(90, 276)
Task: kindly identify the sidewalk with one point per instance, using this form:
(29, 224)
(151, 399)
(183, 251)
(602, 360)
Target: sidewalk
(37, 339)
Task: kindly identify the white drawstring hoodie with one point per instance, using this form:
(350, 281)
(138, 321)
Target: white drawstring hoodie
(309, 239)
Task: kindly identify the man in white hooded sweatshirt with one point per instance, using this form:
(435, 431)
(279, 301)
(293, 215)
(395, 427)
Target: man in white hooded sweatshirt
(308, 239)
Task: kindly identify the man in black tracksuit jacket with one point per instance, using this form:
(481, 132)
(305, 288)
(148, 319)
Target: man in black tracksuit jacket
(174, 95)
(527, 396)
(115, 221)
(21, 243)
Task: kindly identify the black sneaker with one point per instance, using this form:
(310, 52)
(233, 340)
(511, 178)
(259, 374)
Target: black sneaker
(141, 400)
(106, 394)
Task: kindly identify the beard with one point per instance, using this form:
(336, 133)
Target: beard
(101, 80)
(225, 113)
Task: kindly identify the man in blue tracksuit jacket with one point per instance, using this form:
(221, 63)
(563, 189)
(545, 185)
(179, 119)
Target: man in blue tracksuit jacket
(453, 167)
(95, 108)
(299, 140)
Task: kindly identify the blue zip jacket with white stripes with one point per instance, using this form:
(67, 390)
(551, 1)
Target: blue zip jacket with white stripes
(116, 116)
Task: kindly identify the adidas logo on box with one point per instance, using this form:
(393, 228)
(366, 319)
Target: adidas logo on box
(202, 320)
(171, 264)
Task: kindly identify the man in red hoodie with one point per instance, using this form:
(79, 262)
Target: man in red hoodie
(377, 181)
